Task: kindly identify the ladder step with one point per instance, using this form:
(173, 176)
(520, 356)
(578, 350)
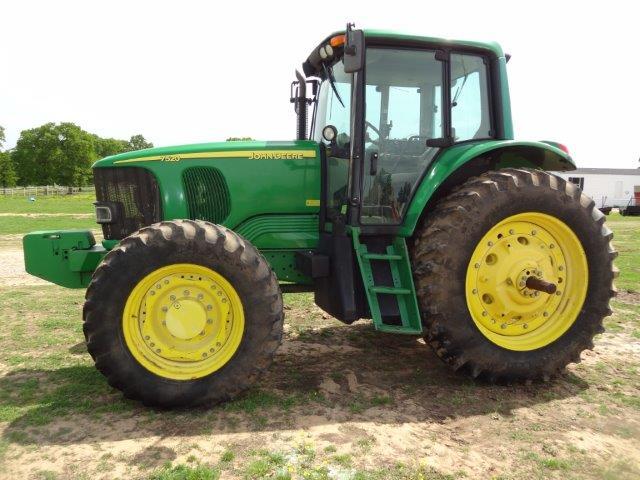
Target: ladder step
(390, 290)
(381, 256)
(399, 329)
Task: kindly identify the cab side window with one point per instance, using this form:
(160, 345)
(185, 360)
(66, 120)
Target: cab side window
(470, 118)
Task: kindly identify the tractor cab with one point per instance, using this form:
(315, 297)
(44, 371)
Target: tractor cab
(385, 109)
(384, 117)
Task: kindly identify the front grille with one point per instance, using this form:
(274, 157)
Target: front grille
(136, 192)
(207, 194)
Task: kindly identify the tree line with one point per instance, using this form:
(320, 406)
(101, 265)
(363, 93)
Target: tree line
(58, 153)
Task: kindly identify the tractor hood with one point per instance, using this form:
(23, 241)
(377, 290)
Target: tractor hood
(253, 150)
(245, 186)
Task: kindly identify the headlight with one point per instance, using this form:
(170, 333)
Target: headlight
(106, 212)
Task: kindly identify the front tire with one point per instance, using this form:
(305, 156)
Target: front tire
(472, 260)
(183, 313)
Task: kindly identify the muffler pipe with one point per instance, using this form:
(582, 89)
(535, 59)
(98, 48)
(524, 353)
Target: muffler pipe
(301, 106)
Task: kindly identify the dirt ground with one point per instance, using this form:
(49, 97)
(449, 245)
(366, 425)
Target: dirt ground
(339, 402)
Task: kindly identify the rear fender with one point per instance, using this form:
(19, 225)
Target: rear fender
(458, 163)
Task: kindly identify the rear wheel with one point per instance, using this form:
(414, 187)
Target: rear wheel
(514, 275)
(183, 313)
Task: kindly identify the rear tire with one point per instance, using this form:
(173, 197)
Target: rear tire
(445, 252)
(169, 247)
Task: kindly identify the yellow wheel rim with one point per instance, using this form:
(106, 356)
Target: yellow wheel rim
(502, 305)
(183, 321)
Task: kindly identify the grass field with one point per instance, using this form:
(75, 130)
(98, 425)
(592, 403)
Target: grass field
(340, 402)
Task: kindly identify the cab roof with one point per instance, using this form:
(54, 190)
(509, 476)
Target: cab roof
(311, 65)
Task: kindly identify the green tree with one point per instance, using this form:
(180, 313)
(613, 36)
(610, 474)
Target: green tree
(137, 142)
(109, 146)
(54, 153)
(8, 177)
(2, 137)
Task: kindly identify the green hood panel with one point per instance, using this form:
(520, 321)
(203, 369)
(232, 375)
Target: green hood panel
(199, 150)
(272, 181)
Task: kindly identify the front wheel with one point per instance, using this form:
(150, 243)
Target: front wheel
(514, 275)
(183, 313)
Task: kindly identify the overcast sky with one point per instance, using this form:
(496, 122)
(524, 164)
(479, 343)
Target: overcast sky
(186, 72)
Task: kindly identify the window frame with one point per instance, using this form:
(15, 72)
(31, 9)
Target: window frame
(443, 53)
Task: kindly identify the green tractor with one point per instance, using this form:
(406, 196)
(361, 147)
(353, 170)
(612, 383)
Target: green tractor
(406, 201)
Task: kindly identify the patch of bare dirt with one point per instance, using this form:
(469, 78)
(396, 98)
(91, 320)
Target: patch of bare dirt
(379, 399)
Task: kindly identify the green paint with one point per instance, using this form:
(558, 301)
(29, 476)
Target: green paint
(64, 257)
(257, 187)
(398, 257)
(510, 153)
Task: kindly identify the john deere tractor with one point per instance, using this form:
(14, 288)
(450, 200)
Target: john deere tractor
(405, 201)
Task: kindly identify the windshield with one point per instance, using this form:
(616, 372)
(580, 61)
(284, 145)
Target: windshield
(330, 111)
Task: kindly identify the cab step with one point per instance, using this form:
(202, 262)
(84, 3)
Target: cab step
(402, 289)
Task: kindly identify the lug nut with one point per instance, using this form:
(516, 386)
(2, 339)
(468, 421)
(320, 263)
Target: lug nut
(172, 298)
(533, 232)
(477, 265)
(503, 326)
(525, 326)
(209, 321)
(186, 293)
(209, 307)
(511, 232)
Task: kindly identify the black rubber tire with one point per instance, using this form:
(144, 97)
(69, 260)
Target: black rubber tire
(442, 247)
(183, 241)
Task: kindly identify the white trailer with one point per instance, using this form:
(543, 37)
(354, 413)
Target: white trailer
(608, 187)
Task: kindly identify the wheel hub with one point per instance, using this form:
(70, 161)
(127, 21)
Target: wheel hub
(183, 321)
(516, 278)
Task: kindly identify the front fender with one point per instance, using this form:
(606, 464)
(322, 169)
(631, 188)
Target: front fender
(495, 155)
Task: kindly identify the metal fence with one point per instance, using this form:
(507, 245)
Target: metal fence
(45, 190)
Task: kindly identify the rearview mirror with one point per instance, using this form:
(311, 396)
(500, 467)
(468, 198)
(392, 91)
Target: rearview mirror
(353, 50)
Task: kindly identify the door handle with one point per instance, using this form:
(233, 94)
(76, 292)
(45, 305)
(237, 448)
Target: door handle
(374, 163)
